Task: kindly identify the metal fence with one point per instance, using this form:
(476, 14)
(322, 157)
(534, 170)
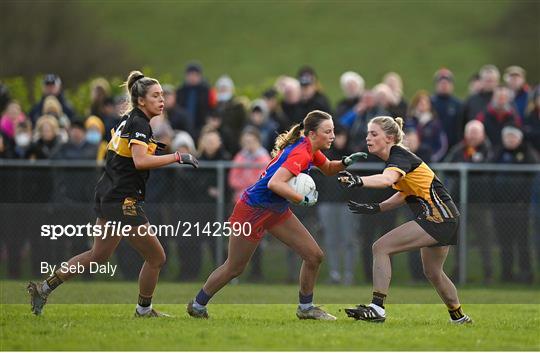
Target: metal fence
(499, 233)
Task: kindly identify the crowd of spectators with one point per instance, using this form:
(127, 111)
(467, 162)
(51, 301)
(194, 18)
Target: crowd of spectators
(498, 122)
(195, 107)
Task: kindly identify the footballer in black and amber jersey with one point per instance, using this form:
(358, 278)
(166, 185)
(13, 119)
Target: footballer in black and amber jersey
(433, 229)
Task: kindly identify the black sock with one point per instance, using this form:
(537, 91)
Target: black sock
(378, 299)
(145, 301)
(53, 281)
(456, 314)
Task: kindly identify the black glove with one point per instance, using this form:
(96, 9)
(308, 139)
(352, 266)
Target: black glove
(186, 158)
(348, 180)
(364, 208)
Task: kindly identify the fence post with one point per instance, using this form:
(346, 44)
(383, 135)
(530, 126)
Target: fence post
(463, 195)
(220, 209)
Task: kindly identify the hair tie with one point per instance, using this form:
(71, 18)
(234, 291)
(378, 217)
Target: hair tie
(137, 78)
(301, 125)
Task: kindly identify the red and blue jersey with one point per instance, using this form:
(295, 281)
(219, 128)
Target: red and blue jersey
(296, 158)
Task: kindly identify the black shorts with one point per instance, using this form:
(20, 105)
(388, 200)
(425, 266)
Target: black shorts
(446, 233)
(129, 211)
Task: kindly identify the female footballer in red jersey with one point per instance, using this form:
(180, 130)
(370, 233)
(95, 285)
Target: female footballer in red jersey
(432, 231)
(265, 206)
(120, 195)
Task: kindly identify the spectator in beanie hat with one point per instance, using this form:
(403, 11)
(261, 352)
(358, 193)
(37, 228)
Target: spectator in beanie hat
(311, 97)
(52, 86)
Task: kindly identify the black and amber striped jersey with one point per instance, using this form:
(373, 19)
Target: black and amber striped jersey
(425, 194)
(121, 179)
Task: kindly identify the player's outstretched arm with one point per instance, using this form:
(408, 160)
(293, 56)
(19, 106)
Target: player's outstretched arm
(143, 160)
(377, 181)
(333, 167)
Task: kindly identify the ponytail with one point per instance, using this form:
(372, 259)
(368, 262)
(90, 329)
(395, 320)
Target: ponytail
(287, 138)
(390, 126)
(137, 85)
(310, 123)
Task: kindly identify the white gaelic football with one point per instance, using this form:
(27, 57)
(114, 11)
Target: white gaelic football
(302, 184)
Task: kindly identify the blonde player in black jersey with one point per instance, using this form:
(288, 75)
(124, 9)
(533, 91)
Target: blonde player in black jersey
(120, 195)
(432, 231)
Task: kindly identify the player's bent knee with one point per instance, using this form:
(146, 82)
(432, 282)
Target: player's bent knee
(315, 258)
(433, 276)
(378, 248)
(160, 260)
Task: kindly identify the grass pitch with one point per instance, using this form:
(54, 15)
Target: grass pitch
(235, 326)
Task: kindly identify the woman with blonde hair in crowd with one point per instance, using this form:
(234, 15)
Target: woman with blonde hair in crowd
(398, 107)
(52, 106)
(433, 230)
(47, 138)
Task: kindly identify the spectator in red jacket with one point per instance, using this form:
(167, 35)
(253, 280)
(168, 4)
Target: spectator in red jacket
(498, 114)
(252, 153)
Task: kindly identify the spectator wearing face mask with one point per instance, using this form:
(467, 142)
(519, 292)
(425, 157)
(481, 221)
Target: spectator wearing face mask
(498, 114)
(23, 139)
(352, 86)
(47, 138)
(230, 109)
(515, 79)
(95, 130)
(77, 146)
(52, 86)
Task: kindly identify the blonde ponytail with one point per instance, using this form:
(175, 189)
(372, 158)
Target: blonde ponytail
(287, 138)
(390, 126)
